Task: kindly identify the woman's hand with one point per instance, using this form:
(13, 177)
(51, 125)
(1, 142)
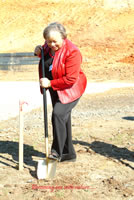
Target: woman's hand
(37, 50)
(45, 83)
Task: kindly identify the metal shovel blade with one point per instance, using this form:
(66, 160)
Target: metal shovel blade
(46, 169)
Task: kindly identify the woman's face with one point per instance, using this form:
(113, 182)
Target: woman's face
(54, 41)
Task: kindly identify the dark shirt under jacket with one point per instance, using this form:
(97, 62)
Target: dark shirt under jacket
(48, 62)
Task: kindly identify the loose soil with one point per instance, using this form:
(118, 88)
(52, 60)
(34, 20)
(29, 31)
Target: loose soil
(102, 124)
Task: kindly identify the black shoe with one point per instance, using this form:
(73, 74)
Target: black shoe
(54, 157)
(68, 158)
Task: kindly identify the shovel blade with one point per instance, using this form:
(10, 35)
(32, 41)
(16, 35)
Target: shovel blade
(46, 169)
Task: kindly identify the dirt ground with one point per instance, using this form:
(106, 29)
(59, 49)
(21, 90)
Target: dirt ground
(102, 124)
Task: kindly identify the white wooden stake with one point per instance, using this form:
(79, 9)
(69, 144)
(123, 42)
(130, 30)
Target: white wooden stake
(21, 124)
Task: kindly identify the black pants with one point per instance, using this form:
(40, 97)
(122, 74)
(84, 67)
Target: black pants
(62, 129)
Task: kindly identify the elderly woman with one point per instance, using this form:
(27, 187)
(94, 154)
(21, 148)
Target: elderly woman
(66, 83)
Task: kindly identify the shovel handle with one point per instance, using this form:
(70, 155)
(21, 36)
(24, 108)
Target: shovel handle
(44, 96)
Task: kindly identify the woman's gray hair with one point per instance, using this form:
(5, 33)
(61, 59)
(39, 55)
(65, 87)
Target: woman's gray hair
(55, 26)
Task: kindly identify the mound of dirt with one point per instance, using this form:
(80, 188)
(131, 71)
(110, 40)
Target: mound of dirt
(105, 37)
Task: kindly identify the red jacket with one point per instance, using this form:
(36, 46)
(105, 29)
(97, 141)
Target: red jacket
(68, 79)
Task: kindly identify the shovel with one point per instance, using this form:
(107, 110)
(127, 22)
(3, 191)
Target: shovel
(46, 168)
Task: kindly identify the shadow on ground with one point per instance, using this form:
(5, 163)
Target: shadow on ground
(110, 151)
(12, 148)
(102, 148)
(131, 118)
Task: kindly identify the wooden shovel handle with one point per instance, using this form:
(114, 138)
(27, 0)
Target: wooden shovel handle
(21, 123)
